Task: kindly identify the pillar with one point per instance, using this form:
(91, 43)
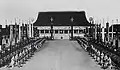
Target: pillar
(44, 32)
(72, 32)
(51, 31)
(78, 32)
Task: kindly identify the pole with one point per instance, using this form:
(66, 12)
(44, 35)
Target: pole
(6, 23)
(30, 29)
(15, 31)
(51, 31)
(103, 35)
(100, 31)
(117, 35)
(32, 33)
(107, 33)
(11, 35)
(112, 29)
(22, 30)
(19, 30)
(71, 31)
(72, 20)
(95, 30)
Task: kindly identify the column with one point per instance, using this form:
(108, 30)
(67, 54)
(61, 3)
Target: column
(51, 31)
(72, 20)
(78, 32)
(44, 33)
(72, 32)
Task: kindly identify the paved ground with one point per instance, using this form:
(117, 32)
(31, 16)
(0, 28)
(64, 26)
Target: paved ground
(61, 55)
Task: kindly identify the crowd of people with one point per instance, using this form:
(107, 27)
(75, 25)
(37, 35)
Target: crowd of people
(103, 54)
(18, 54)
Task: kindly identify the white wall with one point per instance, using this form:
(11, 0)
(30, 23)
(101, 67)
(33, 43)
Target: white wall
(58, 36)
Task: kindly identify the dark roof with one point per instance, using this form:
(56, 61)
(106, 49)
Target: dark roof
(62, 18)
(115, 26)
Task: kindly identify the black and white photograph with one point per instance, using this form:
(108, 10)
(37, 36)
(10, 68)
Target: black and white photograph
(59, 35)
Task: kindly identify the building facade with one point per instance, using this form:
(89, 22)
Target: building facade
(61, 25)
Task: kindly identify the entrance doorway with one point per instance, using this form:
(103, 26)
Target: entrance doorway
(61, 34)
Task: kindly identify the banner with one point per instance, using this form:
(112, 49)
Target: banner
(11, 34)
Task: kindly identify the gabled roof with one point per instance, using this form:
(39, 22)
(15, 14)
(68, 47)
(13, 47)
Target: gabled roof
(62, 18)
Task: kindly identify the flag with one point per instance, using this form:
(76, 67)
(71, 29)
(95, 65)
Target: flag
(11, 34)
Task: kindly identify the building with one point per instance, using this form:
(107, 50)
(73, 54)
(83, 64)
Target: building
(61, 25)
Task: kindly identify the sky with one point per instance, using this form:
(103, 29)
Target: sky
(24, 9)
